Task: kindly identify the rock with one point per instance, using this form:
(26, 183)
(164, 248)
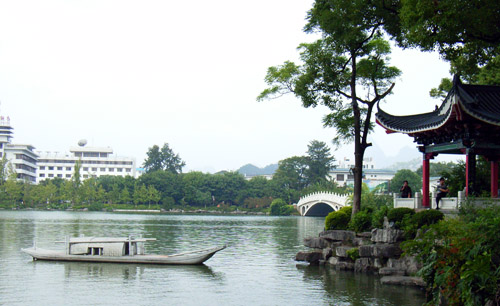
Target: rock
(386, 251)
(327, 253)
(364, 265)
(387, 235)
(391, 271)
(341, 251)
(408, 263)
(316, 242)
(364, 235)
(403, 281)
(341, 263)
(335, 235)
(344, 265)
(361, 241)
(312, 257)
(380, 251)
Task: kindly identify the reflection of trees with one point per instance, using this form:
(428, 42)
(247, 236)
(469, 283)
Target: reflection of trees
(360, 288)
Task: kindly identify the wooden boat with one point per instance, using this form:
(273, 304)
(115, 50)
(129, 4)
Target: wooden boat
(118, 250)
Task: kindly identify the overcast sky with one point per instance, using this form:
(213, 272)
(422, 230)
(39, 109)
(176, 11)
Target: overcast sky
(130, 74)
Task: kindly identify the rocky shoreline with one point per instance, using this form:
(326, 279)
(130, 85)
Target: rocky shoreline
(375, 252)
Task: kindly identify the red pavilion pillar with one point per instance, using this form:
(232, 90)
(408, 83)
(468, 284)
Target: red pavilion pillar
(494, 178)
(425, 181)
(470, 173)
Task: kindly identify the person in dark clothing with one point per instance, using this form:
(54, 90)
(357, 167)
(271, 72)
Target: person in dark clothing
(405, 190)
(442, 191)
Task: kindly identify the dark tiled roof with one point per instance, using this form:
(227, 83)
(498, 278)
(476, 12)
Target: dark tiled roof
(479, 101)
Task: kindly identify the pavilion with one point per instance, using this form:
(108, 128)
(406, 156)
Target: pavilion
(467, 122)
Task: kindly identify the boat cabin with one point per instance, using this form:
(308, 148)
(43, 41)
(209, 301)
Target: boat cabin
(96, 246)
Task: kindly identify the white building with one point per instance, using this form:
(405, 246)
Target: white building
(95, 162)
(20, 157)
(373, 177)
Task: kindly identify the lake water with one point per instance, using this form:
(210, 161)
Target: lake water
(257, 268)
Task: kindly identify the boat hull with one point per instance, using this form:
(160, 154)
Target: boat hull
(188, 258)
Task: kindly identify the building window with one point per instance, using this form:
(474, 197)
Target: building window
(42, 175)
(51, 175)
(42, 167)
(350, 177)
(119, 169)
(85, 168)
(111, 169)
(68, 175)
(59, 175)
(59, 168)
(128, 170)
(85, 176)
(103, 169)
(68, 168)
(51, 168)
(340, 177)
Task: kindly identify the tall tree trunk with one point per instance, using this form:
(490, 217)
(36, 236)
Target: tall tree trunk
(358, 149)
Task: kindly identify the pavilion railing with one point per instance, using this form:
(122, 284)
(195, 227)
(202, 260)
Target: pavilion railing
(448, 203)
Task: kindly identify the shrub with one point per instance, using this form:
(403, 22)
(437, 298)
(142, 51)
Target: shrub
(337, 220)
(361, 222)
(396, 215)
(353, 253)
(347, 210)
(378, 217)
(427, 217)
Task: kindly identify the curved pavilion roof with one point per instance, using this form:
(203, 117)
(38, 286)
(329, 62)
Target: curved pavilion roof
(469, 112)
(464, 103)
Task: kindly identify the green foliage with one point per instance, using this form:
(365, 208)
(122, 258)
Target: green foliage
(353, 254)
(460, 258)
(414, 181)
(163, 159)
(361, 222)
(422, 219)
(455, 177)
(378, 217)
(337, 220)
(397, 215)
(280, 208)
(319, 162)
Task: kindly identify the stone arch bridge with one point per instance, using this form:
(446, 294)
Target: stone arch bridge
(321, 204)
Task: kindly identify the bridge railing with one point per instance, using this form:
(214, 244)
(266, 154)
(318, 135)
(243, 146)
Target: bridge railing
(324, 196)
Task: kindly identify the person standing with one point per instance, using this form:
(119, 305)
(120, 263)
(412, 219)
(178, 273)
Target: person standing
(405, 190)
(442, 191)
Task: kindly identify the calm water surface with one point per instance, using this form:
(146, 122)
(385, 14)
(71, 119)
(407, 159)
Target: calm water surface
(257, 268)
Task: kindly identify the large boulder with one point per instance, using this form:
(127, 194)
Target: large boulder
(409, 264)
(312, 257)
(316, 242)
(403, 280)
(341, 251)
(337, 235)
(380, 251)
(341, 263)
(365, 265)
(387, 235)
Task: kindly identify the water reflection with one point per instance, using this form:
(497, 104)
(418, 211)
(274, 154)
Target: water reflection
(257, 268)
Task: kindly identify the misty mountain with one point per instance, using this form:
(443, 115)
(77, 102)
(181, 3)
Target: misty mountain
(251, 170)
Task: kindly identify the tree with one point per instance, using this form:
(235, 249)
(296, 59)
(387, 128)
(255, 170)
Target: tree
(465, 32)
(291, 177)
(350, 61)
(414, 181)
(164, 159)
(280, 208)
(319, 161)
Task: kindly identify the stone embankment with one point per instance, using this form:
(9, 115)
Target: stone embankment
(376, 252)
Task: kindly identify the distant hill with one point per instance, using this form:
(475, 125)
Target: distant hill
(251, 170)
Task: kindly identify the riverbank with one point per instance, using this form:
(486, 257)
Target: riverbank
(155, 211)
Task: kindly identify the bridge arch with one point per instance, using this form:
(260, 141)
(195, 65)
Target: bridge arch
(321, 203)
